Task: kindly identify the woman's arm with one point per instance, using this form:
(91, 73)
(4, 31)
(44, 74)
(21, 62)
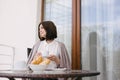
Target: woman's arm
(64, 57)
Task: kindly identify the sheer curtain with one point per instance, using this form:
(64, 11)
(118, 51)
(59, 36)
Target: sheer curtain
(60, 12)
(101, 38)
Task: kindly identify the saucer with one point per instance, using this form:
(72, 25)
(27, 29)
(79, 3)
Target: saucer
(20, 69)
(59, 69)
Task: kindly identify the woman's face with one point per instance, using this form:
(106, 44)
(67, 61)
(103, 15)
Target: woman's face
(42, 31)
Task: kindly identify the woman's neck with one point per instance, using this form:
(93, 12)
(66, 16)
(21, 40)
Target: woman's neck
(49, 41)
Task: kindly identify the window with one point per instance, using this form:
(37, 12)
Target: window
(101, 38)
(60, 12)
(66, 15)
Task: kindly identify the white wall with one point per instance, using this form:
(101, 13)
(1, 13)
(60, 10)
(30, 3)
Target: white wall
(18, 24)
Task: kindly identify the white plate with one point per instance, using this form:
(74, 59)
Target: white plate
(38, 67)
(59, 69)
(17, 69)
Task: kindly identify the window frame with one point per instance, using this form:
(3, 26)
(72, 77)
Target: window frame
(76, 32)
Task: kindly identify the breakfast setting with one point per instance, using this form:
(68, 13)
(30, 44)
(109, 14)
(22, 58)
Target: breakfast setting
(41, 64)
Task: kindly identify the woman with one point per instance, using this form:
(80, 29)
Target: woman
(47, 45)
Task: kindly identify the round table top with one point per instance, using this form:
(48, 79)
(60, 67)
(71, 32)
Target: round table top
(48, 74)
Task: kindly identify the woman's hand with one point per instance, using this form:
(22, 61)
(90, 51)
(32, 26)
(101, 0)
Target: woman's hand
(54, 58)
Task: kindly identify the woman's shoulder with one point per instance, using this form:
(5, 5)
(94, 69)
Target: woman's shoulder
(59, 43)
(37, 43)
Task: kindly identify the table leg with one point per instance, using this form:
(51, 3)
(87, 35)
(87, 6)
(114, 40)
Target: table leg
(65, 78)
(77, 78)
(11, 78)
(24, 79)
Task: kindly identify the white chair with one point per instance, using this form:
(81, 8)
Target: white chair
(6, 57)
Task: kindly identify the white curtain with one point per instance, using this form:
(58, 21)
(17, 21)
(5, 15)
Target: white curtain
(60, 12)
(101, 38)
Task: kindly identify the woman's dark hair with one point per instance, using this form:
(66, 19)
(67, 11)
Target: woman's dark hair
(50, 28)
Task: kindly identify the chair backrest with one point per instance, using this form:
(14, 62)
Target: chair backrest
(28, 51)
(6, 57)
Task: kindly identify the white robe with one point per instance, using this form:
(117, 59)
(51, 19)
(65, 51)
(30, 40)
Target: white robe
(63, 55)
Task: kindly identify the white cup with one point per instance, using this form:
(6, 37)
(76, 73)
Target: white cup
(20, 65)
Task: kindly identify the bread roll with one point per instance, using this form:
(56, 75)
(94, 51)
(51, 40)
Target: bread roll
(37, 60)
(34, 61)
(45, 61)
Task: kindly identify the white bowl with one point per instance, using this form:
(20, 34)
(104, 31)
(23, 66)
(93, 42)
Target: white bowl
(41, 67)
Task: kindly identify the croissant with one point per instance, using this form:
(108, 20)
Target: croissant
(45, 61)
(37, 60)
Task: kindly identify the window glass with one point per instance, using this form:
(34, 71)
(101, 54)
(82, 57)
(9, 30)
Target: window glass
(101, 38)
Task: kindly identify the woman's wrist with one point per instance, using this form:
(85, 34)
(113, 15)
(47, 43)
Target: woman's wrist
(57, 61)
